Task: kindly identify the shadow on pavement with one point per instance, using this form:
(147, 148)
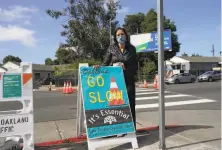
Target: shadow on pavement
(194, 143)
(149, 139)
(144, 139)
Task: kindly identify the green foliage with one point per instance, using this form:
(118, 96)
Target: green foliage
(87, 28)
(48, 61)
(66, 70)
(132, 23)
(195, 55)
(55, 62)
(185, 54)
(65, 56)
(149, 68)
(12, 59)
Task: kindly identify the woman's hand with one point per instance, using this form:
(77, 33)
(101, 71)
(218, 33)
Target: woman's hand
(123, 66)
(95, 66)
(120, 64)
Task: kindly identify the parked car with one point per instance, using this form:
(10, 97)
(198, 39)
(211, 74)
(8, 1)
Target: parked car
(181, 78)
(210, 76)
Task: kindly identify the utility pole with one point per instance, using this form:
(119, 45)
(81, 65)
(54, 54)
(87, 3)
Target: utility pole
(161, 70)
(213, 50)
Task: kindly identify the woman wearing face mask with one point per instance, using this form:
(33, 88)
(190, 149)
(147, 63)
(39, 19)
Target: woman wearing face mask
(122, 53)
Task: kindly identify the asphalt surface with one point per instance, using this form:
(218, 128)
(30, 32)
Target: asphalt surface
(50, 106)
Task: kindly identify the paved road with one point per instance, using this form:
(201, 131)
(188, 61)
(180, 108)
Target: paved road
(49, 106)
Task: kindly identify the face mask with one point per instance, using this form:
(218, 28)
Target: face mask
(121, 39)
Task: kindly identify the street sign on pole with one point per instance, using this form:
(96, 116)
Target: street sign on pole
(161, 74)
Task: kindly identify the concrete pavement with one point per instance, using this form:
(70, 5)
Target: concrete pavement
(52, 106)
(55, 115)
(201, 130)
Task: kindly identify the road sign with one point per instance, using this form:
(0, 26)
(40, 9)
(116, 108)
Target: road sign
(106, 106)
(148, 42)
(17, 86)
(12, 86)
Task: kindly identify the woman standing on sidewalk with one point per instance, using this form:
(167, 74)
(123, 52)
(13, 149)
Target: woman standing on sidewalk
(121, 52)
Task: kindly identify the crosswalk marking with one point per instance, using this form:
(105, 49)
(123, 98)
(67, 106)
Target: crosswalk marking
(148, 93)
(147, 101)
(167, 96)
(168, 104)
(145, 90)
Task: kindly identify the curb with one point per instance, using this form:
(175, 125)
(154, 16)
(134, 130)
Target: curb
(84, 138)
(142, 86)
(59, 90)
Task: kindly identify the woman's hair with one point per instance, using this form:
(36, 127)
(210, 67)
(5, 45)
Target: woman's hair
(127, 36)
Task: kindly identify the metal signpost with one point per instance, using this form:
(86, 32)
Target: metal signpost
(161, 74)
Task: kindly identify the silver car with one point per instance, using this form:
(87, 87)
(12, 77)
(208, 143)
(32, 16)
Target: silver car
(210, 76)
(181, 78)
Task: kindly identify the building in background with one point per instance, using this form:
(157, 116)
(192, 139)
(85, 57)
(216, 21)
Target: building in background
(194, 65)
(42, 74)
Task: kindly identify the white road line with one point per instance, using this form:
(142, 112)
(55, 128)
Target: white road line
(168, 104)
(156, 97)
(145, 90)
(147, 93)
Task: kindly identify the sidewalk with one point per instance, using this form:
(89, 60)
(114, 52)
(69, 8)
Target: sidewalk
(200, 132)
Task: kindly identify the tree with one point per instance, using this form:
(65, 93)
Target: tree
(87, 28)
(148, 70)
(48, 61)
(55, 62)
(11, 58)
(185, 54)
(150, 24)
(195, 55)
(132, 23)
(65, 56)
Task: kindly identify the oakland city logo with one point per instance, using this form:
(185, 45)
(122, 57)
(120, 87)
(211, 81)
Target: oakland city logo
(109, 119)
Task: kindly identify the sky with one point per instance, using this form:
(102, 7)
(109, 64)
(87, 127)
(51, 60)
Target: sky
(28, 32)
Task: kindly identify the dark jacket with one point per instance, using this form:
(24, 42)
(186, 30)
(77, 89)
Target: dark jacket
(128, 57)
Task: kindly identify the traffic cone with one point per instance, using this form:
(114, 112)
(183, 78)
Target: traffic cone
(155, 83)
(116, 96)
(70, 88)
(64, 87)
(145, 85)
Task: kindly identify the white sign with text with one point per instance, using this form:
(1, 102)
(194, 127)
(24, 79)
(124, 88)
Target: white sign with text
(17, 86)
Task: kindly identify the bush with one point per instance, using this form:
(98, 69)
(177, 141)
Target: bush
(70, 69)
(148, 70)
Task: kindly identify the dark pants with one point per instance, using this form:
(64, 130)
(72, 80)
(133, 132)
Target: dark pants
(132, 100)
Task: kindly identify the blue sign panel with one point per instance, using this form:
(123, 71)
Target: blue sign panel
(149, 42)
(105, 101)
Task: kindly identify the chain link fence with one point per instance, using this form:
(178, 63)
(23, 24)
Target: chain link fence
(147, 77)
(69, 75)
